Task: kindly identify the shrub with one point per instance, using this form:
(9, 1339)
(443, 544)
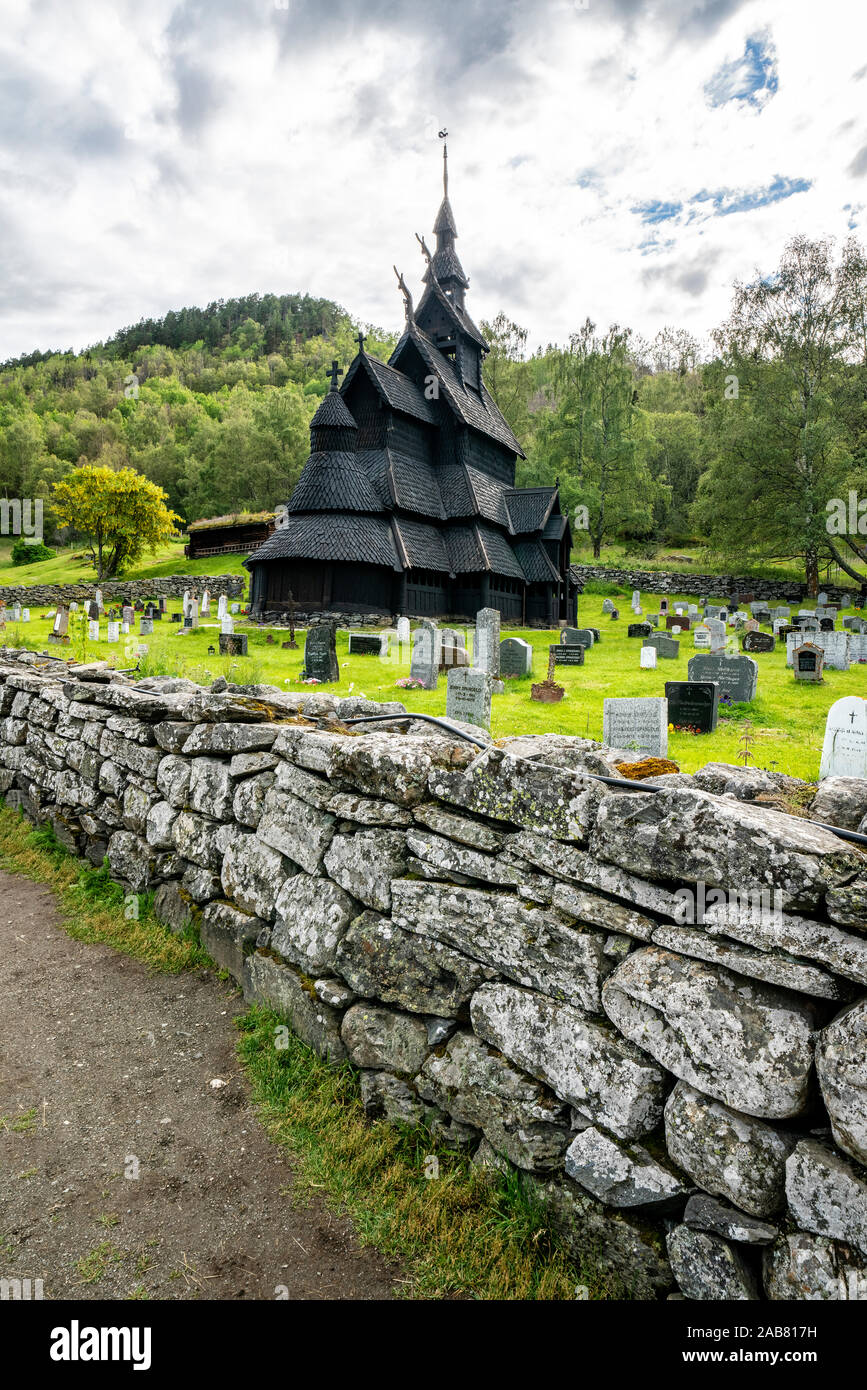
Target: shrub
(24, 554)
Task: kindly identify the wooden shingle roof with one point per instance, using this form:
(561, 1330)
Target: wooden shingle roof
(473, 409)
(395, 389)
(529, 507)
(352, 537)
(334, 481)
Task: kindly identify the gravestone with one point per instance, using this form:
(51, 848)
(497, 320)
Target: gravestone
(677, 620)
(615, 614)
(595, 633)
(320, 652)
(578, 636)
(823, 598)
(712, 611)
(639, 724)
(663, 605)
(206, 603)
(486, 642)
(717, 632)
(665, 647)
(25, 615)
(61, 623)
(572, 655)
(424, 661)
(693, 704)
(222, 606)
(403, 630)
(701, 637)
(859, 601)
(452, 656)
(636, 598)
(844, 751)
(235, 644)
(607, 605)
(364, 644)
(826, 624)
(751, 626)
(639, 630)
(16, 613)
(737, 676)
(99, 603)
(145, 627)
(124, 627)
(516, 657)
(113, 634)
(759, 642)
(807, 663)
(234, 607)
(468, 696)
(227, 625)
(73, 607)
(857, 647)
(647, 658)
(93, 629)
(185, 603)
(128, 613)
(835, 645)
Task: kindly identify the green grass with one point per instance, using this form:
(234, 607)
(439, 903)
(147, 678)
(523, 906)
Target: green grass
(787, 718)
(465, 1233)
(72, 566)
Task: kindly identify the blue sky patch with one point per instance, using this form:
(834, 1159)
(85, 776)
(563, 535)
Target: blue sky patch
(725, 201)
(751, 79)
(656, 211)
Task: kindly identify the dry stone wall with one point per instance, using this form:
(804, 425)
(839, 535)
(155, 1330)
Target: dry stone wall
(121, 590)
(504, 948)
(720, 586)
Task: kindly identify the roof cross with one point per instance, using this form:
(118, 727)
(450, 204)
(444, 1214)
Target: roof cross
(360, 339)
(334, 373)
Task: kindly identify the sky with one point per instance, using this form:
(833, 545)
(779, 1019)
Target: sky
(609, 159)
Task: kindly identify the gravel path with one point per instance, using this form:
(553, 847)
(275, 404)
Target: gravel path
(117, 1064)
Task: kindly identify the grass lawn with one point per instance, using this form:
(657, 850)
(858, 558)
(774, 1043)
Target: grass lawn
(787, 719)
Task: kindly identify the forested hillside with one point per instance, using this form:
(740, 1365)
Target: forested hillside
(740, 447)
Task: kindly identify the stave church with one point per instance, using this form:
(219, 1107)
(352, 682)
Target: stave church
(407, 504)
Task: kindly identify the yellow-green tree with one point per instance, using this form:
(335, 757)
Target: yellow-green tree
(120, 512)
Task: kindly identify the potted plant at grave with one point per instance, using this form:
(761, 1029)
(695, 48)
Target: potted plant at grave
(548, 692)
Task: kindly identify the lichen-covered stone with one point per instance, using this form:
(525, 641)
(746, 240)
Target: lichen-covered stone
(704, 1213)
(248, 804)
(296, 829)
(706, 1267)
(749, 1045)
(279, 986)
(508, 789)
(367, 810)
(249, 764)
(334, 992)
(252, 875)
(228, 935)
(196, 838)
(211, 788)
(804, 937)
(840, 1064)
(311, 916)
(379, 1038)
(461, 828)
(691, 835)
(131, 859)
(201, 884)
(572, 864)
(840, 801)
(446, 855)
(364, 864)
(308, 786)
(592, 908)
(728, 1154)
(533, 946)
(121, 750)
(827, 1194)
(396, 767)
(847, 905)
(383, 961)
(773, 967)
(584, 1062)
(158, 826)
(519, 1117)
(619, 1174)
(230, 738)
(173, 780)
(389, 1097)
(174, 906)
(809, 1268)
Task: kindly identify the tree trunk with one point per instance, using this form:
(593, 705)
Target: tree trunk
(811, 562)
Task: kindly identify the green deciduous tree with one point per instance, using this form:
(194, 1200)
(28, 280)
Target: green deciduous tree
(121, 513)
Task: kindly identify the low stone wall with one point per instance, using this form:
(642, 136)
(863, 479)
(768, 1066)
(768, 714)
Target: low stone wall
(503, 946)
(121, 590)
(722, 586)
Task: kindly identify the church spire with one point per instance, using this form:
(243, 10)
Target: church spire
(446, 267)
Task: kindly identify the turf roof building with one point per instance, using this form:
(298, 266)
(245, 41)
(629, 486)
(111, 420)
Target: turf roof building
(407, 503)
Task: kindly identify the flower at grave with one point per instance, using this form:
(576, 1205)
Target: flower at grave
(410, 683)
(309, 680)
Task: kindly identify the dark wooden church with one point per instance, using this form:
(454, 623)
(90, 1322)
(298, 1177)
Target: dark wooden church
(407, 504)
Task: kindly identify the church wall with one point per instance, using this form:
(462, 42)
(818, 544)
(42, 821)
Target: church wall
(410, 437)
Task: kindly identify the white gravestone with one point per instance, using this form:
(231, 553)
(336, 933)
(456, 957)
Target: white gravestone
(206, 603)
(236, 607)
(227, 625)
(222, 606)
(424, 662)
(113, 634)
(486, 642)
(25, 615)
(647, 658)
(844, 752)
(93, 629)
(124, 627)
(835, 645)
(468, 696)
(637, 724)
(403, 631)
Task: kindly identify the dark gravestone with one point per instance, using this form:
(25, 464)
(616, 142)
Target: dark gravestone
(577, 637)
(693, 705)
(233, 644)
(615, 614)
(808, 662)
(680, 620)
(362, 644)
(516, 657)
(667, 647)
(176, 617)
(859, 601)
(737, 676)
(597, 636)
(784, 631)
(572, 655)
(826, 624)
(320, 653)
(639, 630)
(759, 642)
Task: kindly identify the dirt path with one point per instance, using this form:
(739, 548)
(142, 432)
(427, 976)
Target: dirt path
(117, 1062)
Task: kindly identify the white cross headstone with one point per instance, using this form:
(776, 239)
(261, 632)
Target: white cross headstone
(844, 752)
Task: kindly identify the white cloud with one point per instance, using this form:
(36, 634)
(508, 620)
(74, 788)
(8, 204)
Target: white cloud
(174, 153)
